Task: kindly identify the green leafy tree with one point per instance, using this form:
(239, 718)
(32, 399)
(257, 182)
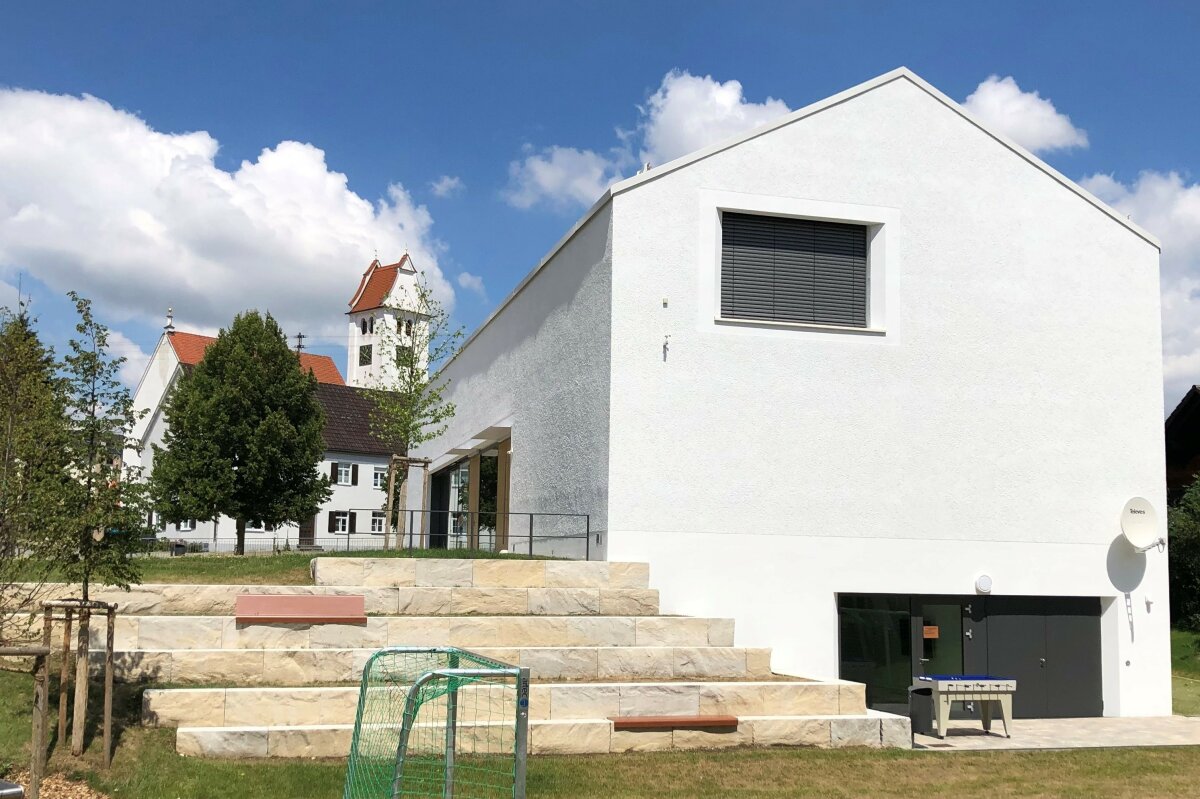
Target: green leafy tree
(33, 470)
(410, 402)
(243, 434)
(1183, 532)
(410, 405)
(107, 506)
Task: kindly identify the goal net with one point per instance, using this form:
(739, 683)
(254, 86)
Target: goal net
(439, 722)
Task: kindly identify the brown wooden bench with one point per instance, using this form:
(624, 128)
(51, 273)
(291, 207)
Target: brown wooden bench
(673, 722)
(299, 609)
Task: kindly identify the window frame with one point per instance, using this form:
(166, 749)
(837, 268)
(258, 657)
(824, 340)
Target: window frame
(341, 521)
(378, 516)
(345, 473)
(187, 526)
(379, 478)
(883, 261)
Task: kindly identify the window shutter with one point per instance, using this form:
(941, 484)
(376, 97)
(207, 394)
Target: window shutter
(333, 473)
(793, 270)
(332, 522)
(352, 516)
(354, 474)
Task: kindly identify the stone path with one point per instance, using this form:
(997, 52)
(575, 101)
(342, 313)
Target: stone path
(967, 735)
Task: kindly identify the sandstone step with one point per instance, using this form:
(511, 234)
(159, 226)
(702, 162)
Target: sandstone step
(317, 666)
(581, 736)
(479, 573)
(153, 599)
(235, 707)
(226, 632)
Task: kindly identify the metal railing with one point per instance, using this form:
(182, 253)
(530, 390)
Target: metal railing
(566, 535)
(552, 534)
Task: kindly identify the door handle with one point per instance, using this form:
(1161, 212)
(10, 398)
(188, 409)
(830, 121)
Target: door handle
(923, 660)
(1041, 661)
(970, 635)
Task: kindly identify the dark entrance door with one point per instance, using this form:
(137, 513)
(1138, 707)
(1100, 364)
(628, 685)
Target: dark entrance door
(306, 531)
(1051, 647)
(439, 510)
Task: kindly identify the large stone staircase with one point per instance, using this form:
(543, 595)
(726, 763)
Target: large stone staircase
(589, 632)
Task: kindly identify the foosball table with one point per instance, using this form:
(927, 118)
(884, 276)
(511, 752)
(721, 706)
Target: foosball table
(981, 688)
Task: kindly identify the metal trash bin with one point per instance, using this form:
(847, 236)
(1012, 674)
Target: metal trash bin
(10, 790)
(920, 709)
(178, 548)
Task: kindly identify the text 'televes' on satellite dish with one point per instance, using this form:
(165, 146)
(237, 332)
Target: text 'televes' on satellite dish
(1139, 524)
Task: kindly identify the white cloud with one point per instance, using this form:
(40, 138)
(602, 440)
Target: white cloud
(135, 357)
(1026, 117)
(447, 186)
(9, 298)
(686, 113)
(1168, 207)
(472, 283)
(561, 177)
(94, 199)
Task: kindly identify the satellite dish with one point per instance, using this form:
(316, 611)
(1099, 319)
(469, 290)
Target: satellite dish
(1139, 524)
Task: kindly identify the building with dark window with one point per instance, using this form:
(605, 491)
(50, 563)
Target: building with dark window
(873, 379)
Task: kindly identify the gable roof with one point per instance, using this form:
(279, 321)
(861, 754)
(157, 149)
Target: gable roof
(190, 348)
(901, 73)
(348, 421)
(377, 283)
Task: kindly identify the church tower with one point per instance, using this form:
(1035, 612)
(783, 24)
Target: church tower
(377, 315)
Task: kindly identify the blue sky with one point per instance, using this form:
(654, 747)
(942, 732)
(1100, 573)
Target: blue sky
(522, 111)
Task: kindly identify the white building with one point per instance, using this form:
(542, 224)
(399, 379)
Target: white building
(377, 319)
(826, 376)
(355, 460)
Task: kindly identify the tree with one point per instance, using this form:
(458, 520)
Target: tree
(243, 434)
(106, 505)
(1183, 534)
(410, 403)
(33, 469)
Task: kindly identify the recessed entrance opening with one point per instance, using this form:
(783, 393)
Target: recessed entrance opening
(1050, 645)
(469, 501)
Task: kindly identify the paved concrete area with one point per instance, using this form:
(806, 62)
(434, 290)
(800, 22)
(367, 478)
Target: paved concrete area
(967, 735)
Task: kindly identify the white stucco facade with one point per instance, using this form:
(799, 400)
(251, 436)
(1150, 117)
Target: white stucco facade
(1001, 405)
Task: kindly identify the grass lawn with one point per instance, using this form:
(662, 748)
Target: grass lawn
(1185, 665)
(146, 767)
(289, 568)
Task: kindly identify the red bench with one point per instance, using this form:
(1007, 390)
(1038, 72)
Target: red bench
(673, 722)
(299, 609)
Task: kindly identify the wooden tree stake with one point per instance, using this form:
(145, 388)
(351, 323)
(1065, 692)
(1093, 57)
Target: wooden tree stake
(79, 716)
(64, 677)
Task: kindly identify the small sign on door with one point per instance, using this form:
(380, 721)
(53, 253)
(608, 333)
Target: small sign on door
(929, 631)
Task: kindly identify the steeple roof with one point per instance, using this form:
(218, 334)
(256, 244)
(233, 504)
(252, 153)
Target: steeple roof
(377, 283)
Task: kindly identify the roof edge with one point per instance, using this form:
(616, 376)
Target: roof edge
(900, 73)
(549, 256)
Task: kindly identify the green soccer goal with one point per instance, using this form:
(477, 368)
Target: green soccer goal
(439, 722)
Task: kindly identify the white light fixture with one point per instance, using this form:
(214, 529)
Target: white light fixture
(983, 584)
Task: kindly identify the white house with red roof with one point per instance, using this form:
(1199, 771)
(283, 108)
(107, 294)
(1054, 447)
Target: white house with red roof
(355, 460)
(377, 316)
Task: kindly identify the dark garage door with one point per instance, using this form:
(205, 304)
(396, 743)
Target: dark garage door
(1051, 646)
